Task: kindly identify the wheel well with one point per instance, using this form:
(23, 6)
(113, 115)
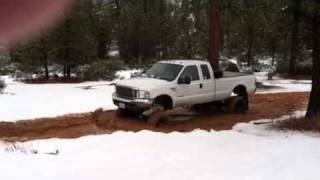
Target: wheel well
(164, 100)
(241, 91)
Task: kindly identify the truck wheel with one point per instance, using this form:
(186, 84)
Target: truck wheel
(237, 105)
(163, 101)
(157, 114)
(122, 112)
(218, 105)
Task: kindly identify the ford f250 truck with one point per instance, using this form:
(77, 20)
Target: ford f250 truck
(177, 83)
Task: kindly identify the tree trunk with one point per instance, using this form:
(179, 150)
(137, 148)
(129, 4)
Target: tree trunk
(295, 38)
(227, 34)
(196, 10)
(117, 9)
(68, 71)
(119, 30)
(189, 46)
(66, 55)
(46, 69)
(145, 6)
(102, 48)
(45, 64)
(215, 33)
(64, 71)
(273, 50)
(66, 68)
(314, 101)
(250, 44)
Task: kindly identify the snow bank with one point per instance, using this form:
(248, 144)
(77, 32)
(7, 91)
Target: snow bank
(231, 155)
(263, 127)
(7, 79)
(280, 85)
(27, 101)
(126, 74)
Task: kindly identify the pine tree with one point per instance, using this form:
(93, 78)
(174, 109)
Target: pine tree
(75, 42)
(215, 33)
(295, 36)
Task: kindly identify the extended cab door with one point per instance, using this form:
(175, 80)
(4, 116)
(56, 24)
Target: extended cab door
(208, 84)
(189, 94)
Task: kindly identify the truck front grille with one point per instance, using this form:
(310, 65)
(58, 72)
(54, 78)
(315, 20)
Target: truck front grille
(126, 92)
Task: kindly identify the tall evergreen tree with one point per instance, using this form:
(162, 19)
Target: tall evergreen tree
(215, 33)
(295, 36)
(75, 42)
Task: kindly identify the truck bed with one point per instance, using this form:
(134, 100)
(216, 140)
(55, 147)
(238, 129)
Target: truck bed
(228, 74)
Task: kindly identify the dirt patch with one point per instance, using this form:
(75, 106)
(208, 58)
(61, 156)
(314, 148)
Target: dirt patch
(261, 86)
(102, 122)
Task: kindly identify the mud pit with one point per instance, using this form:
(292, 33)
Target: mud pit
(99, 122)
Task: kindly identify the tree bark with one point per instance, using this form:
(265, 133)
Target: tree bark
(145, 6)
(314, 100)
(117, 9)
(250, 44)
(66, 55)
(64, 71)
(44, 54)
(46, 67)
(215, 33)
(196, 10)
(102, 48)
(68, 71)
(295, 38)
(189, 48)
(119, 30)
(227, 34)
(273, 50)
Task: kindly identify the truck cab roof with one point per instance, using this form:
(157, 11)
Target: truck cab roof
(185, 62)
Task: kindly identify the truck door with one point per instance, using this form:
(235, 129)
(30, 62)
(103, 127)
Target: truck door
(189, 94)
(207, 86)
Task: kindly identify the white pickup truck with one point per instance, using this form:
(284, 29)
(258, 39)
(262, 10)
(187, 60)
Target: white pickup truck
(177, 83)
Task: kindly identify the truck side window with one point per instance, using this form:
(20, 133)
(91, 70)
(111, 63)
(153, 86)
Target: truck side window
(191, 71)
(205, 72)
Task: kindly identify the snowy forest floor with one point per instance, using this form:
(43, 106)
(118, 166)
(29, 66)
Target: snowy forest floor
(249, 146)
(262, 106)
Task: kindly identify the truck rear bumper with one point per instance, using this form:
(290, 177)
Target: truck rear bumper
(136, 104)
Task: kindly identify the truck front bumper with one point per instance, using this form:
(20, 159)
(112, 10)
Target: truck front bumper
(135, 104)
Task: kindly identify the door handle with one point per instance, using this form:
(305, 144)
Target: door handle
(201, 86)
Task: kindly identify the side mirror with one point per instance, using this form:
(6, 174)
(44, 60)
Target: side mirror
(184, 80)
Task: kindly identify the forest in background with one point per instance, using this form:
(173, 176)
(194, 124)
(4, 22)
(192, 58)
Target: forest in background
(142, 31)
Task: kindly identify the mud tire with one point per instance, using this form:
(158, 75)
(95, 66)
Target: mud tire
(237, 105)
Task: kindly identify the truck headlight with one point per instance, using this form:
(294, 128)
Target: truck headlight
(143, 94)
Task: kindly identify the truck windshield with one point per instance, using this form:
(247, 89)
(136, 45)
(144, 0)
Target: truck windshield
(164, 71)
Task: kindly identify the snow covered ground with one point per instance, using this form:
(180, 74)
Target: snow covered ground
(27, 101)
(247, 152)
(282, 85)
